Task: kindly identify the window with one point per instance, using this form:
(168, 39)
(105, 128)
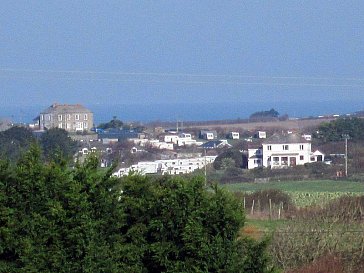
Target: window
(269, 147)
(276, 160)
(85, 125)
(68, 126)
(41, 117)
(85, 116)
(49, 117)
(68, 117)
(60, 125)
(302, 157)
(77, 117)
(59, 117)
(285, 147)
(301, 147)
(284, 160)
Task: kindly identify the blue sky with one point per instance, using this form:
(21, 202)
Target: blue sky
(144, 52)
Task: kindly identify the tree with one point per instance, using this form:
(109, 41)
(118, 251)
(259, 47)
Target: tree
(15, 141)
(264, 115)
(234, 154)
(56, 143)
(114, 123)
(175, 225)
(56, 219)
(336, 129)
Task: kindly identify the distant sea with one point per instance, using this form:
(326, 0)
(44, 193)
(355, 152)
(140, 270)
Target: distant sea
(192, 111)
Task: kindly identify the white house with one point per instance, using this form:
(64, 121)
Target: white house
(307, 137)
(168, 166)
(234, 135)
(282, 151)
(185, 139)
(261, 134)
(208, 135)
(254, 158)
(171, 139)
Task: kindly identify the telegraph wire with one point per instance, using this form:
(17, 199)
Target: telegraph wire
(159, 78)
(171, 74)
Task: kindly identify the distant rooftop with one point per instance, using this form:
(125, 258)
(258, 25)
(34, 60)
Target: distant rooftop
(285, 139)
(77, 108)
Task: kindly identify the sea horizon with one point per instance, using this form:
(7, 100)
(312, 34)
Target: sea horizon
(191, 111)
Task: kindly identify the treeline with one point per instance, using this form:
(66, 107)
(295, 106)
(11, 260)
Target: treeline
(54, 142)
(338, 129)
(59, 219)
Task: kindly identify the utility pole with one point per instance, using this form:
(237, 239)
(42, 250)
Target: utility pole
(205, 170)
(346, 136)
(346, 156)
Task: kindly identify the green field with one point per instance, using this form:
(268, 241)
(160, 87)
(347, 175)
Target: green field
(302, 186)
(305, 193)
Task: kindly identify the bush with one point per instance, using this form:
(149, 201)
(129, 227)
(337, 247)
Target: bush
(264, 199)
(343, 209)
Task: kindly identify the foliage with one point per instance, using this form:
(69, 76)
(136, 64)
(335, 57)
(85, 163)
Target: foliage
(114, 123)
(178, 226)
(336, 129)
(233, 154)
(15, 141)
(56, 143)
(264, 114)
(55, 219)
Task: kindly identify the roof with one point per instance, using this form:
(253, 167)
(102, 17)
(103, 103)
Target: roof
(214, 144)
(256, 157)
(118, 134)
(66, 108)
(285, 139)
(211, 144)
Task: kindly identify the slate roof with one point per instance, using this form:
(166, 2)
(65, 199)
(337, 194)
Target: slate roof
(66, 108)
(285, 139)
(211, 144)
(118, 134)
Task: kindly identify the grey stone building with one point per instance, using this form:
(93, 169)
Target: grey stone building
(71, 117)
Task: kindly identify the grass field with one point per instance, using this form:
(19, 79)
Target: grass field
(305, 193)
(302, 186)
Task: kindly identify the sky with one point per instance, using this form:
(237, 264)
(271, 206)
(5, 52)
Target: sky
(169, 52)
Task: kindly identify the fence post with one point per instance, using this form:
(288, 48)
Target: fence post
(270, 208)
(252, 211)
(279, 213)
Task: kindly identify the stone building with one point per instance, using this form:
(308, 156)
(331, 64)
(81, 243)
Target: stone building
(71, 117)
